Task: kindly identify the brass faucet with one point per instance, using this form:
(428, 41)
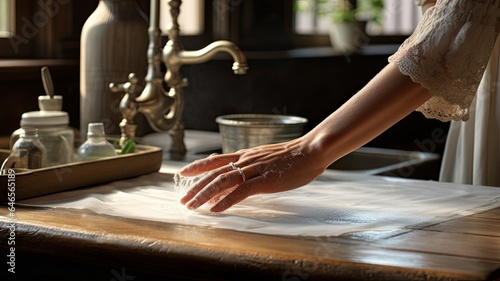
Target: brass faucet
(164, 110)
(174, 56)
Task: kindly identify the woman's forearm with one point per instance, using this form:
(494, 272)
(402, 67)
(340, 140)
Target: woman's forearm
(386, 99)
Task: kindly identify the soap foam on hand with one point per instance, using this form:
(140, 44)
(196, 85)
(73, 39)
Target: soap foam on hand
(183, 184)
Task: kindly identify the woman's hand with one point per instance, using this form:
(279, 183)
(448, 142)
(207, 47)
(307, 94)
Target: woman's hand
(265, 169)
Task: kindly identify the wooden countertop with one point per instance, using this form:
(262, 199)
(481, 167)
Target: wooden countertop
(65, 244)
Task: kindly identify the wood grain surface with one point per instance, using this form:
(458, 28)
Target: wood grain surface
(89, 246)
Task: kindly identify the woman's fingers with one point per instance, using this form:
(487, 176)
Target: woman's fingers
(262, 180)
(202, 182)
(202, 192)
(238, 194)
(232, 186)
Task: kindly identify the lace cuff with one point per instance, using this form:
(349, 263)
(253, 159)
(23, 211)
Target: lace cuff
(448, 53)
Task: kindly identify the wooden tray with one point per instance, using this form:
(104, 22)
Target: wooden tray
(37, 182)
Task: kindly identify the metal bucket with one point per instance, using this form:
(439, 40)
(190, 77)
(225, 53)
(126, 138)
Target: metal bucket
(240, 131)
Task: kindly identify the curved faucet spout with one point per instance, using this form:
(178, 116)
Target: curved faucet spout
(205, 54)
(174, 58)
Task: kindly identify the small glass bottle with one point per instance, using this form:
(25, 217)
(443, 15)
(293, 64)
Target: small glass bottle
(96, 146)
(28, 151)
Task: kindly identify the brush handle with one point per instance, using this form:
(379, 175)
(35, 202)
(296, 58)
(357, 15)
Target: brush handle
(47, 82)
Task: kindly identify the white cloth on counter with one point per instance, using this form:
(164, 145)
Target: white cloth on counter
(333, 205)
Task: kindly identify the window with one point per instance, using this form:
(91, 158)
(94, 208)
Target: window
(190, 19)
(399, 18)
(11, 15)
(9, 11)
(263, 25)
(6, 18)
(37, 29)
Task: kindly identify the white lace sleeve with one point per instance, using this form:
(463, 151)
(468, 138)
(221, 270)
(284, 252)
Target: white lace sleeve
(448, 53)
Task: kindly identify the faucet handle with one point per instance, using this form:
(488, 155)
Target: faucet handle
(128, 87)
(128, 106)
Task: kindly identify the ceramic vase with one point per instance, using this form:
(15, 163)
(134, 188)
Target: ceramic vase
(114, 43)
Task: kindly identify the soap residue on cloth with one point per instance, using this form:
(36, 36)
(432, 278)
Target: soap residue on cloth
(182, 185)
(332, 205)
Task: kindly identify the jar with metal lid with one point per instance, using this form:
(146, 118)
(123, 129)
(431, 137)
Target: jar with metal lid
(54, 132)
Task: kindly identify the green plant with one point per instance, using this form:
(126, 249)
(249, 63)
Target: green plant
(345, 10)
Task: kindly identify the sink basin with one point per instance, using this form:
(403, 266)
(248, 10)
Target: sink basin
(390, 162)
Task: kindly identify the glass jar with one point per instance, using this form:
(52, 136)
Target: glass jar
(54, 133)
(28, 152)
